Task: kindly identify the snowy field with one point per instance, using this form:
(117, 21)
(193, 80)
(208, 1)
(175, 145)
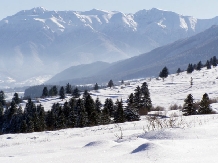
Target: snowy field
(191, 139)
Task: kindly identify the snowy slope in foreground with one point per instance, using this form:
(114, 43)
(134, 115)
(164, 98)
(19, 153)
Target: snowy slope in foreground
(193, 139)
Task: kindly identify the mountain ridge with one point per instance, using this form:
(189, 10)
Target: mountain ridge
(47, 42)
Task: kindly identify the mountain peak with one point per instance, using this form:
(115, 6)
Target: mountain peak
(95, 12)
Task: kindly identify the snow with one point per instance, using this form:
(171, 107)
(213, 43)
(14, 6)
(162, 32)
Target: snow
(188, 139)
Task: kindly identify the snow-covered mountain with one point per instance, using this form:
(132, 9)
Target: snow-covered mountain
(179, 54)
(38, 41)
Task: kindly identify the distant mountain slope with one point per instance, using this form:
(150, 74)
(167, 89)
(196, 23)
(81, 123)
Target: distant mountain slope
(37, 41)
(197, 48)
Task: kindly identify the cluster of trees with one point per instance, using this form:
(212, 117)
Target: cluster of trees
(212, 62)
(203, 108)
(164, 73)
(62, 91)
(78, 112)
(140, 101)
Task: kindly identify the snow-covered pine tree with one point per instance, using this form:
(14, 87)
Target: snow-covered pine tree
(204, 107)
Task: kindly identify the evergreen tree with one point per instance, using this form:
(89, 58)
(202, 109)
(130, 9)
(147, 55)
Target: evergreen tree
(178, 71)
(119, 114)
(96, 87)
(16, 98)
(110, 84)
(164, 73)
(208, 65)
(68, 89)
(50, 120)
(122, 82)
(204, 107)
(214, 61)
(55, 90)
(188, 107)
(45, 92)
(130, 101)
(62, 93)
(51, 92)
(23, 128)
(76, 93)
(1, 117)
(199, 66)
(105, 116)
(2, 98)
(137, 98)
(82, 118)
(30, 126)
(85, 94)
(98, 105)
(190, 69)
(146, 103)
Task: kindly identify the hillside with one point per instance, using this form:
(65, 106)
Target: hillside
(202, 47)
(131, 141)
(39, 42)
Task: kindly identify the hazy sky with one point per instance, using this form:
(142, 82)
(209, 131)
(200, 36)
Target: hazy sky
(196, 8)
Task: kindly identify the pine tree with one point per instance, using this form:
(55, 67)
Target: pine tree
(85, 94)
(82, 118)
(204, 107)
(105, 116)
(214, 61)
(68, 89)
(45, 92)
(50, 120)
(16, 98)
(190, 69)
(76, 93)
(208, 65)
(2, 98)
(110, 83)
(164, 73)
(96, 87)
(98, 105)
(30, 126)
(130, 101)
(199, 66)
(188, 107)
(119, 114)
(62, 93)
(55, 90)
(1, 117)
(178, 71)
(23, 128)
(146, 103)
(137, 98)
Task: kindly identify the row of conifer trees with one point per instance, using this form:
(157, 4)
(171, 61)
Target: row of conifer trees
(77, 112)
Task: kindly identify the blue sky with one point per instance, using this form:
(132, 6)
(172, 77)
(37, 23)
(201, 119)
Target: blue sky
(196, 8)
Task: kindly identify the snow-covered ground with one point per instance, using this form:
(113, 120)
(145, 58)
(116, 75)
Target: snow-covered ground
(180, 139)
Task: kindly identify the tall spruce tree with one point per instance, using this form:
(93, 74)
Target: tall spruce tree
(178, 71)
(62, 93)
(164, 73)
(214, 61)
(199, 66)
(68, 89)
(204, 107)
(190, 69)
(76, 93)
(110, 83)
(96, 87)
(2, 98)
(119, 116)
(188, 107)
(208, 65)
(45, 92)
(16, 98)
(137, 98)
(146, 103)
